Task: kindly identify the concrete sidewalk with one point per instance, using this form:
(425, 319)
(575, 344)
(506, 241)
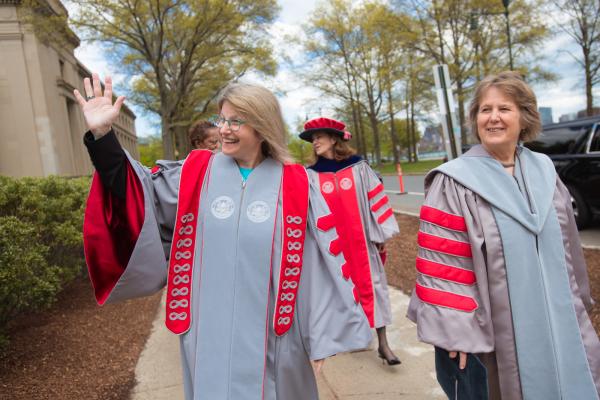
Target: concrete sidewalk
(354, 376)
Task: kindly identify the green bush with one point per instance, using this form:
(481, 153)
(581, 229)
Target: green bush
(41, 245)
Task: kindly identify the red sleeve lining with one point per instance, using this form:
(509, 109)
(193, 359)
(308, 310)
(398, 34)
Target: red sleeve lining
(110, 231)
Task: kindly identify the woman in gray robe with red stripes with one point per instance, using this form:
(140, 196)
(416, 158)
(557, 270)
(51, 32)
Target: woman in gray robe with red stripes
(252, 289)
(363, 217)
(501, 275)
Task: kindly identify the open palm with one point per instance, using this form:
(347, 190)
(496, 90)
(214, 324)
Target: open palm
(98, 110)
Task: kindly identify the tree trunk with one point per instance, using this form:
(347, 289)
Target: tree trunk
(460, 94)
(363, 141)
(362, 134)
(357, 131)
(183, 146)
(413, 130)
(167, 139)
(395, 147)
(375, 128)
(408, 135)
(589, 97)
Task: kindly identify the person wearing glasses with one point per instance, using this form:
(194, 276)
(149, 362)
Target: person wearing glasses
(241, 241)
(204, 135)
(363, 217)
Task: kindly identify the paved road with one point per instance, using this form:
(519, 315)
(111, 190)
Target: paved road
(412, 200)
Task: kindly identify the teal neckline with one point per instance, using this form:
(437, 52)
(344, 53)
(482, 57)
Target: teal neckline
(245, 172)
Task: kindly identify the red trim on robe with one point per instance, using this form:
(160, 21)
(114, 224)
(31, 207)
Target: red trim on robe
(445, 299)
(444, 245)
(447, 272)
(111, 228)
(178, 309)
(295, 188)
(443, 219)
(383, 217)
(380, 203)
(375, 191)
(335, 246)
(326, 222)
(339, 191)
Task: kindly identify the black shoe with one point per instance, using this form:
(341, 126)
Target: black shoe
(390, 361)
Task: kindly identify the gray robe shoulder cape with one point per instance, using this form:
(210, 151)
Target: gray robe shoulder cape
(501, 274)
(237, 343)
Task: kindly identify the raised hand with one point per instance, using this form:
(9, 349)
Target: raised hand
(98, 109)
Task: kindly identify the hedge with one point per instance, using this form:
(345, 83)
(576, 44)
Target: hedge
(40, 242)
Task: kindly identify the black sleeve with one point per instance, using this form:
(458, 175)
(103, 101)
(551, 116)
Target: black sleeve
(110, 161)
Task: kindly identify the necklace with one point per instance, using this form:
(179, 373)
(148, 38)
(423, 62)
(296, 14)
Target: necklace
(507, 165)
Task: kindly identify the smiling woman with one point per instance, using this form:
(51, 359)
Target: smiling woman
(501, 274)
(504, 112)
(234, 237)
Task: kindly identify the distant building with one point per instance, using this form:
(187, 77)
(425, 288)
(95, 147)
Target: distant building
(432, 139)
(546, 115)
(42, 127)
(583, 113)
(567, 117)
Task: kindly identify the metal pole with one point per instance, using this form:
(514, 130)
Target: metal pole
(448, 112)
(510, 56)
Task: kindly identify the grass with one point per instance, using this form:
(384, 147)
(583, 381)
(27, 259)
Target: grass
(419, 167)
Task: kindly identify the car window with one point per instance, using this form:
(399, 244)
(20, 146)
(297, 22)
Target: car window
(561, 140)
(595, 143)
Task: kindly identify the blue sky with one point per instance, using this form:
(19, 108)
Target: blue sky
(564, 96)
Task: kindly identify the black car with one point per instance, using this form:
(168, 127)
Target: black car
(574, 147)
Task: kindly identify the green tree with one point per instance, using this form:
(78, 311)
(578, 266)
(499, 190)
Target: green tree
(583, 26)
(330, 49)
(470, 36)
(356, 54)
(151, 149)
(180, 53)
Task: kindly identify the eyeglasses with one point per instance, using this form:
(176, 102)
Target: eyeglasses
(233, 124)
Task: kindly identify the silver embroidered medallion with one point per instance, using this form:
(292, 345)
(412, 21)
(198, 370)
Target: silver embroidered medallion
(222, 207)
(346, 183)
(258, 211)
(327, 187)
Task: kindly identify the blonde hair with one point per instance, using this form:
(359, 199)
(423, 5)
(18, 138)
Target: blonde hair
(260, 109)
(341, 149)
(512, 85)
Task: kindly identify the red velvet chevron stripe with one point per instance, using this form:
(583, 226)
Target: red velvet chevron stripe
(375, 191)
(445, 299)
(444, 245)
(443, 219)
(446, 272)
(383, 217)
(380, 203)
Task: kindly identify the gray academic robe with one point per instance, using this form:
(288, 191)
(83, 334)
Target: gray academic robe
(363, 218)
(462, 300)
(231, 350)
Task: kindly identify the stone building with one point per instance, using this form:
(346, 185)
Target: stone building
(41, 126)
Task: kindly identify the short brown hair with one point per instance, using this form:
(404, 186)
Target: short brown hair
(198, 132)
(341, 148)
(513, 85)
